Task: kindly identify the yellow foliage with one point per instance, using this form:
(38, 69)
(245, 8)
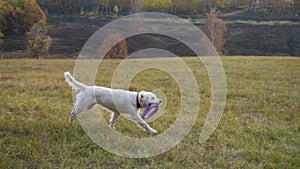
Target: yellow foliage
(116, 9)
(39, 42)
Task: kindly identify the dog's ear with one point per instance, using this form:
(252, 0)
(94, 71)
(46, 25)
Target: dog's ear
(142, 94)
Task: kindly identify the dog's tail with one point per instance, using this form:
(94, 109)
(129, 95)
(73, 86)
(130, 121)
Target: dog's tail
(74, 83)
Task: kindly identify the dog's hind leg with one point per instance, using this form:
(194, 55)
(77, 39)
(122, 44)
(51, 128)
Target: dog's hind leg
(72, 115)
(84, 102)
(142, 123)
(78, 109)
(75, 111)
(114, 118)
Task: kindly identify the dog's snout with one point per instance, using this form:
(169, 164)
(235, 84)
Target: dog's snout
(160, 101)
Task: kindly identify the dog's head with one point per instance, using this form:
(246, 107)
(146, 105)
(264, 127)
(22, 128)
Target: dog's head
(148, 98)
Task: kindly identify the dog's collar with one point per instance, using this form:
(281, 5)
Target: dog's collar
(138, 105)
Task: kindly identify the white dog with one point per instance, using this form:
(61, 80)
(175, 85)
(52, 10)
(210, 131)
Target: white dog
(117, 100)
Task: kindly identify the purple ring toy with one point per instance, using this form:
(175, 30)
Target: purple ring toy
(150, 111)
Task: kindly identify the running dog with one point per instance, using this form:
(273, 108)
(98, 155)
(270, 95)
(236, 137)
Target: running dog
(118, 101)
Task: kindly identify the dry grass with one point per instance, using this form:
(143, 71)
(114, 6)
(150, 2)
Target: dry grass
(259, 128)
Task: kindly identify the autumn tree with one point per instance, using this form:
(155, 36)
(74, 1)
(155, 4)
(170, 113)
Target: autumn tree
(32, 14)
(215, 30)
(118, 51)
(4, 10)
(19, 16)
(116, 9)
(1, 36)
(39, 41)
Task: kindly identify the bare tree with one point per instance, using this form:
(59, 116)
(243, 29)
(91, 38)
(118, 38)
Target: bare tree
(215, 30)
(1, 36)
(252, 6)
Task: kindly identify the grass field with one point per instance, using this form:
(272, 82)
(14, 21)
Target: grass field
(260, 127)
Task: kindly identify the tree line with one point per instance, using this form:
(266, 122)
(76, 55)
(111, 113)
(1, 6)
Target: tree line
(18, 16)
(188, 7)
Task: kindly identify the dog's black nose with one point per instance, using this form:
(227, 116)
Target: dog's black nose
(160, 101)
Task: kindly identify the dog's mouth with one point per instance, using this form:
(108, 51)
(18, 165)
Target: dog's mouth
(156, 104)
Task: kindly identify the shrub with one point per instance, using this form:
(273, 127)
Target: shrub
(118, 51)
(39, 41)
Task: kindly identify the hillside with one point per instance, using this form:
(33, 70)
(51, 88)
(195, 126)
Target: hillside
(244, 37)
(263, 39)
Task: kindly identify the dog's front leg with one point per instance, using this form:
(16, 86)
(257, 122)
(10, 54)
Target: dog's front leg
(114, 118)
(142, 123)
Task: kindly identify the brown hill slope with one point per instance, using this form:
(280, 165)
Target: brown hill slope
(243, 38)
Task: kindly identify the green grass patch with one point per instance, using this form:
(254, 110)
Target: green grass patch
(260, 127)
(269, 23)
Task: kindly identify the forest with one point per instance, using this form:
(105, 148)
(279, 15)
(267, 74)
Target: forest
(20, 15)
(186, 7)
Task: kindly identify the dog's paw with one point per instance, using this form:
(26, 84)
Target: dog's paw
(71, 116)
(112, 127)
(152, 131)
